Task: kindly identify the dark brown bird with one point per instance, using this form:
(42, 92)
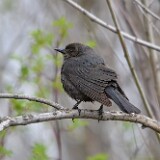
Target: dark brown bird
(86, 78)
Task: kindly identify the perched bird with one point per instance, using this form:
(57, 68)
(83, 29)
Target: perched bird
(86, 78)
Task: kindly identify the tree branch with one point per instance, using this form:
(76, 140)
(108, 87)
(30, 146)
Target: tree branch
(85, 114)
(111, 28)
(31, 98)
(147, 10)
(126, 54)
(65, 113)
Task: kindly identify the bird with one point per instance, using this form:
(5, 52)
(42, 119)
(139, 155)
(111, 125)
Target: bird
(86, 78)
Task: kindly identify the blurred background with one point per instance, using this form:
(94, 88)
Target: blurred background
(29, 32)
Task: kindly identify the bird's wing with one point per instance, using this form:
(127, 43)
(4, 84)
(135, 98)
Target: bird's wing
(96, 77)
(92, 80)
(102, 75)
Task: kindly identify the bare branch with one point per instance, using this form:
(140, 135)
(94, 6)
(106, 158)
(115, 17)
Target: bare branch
(126, 54)
(111, 28)
(135, 77)
(85, 114)
(147, 10)
(35, 99)
(64, 113)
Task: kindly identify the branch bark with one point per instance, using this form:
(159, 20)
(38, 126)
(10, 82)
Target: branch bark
(126, 54)
(146, 9)
(111, 28)
(6, 122)
(65, 113)
(134, 74)
(31, 98)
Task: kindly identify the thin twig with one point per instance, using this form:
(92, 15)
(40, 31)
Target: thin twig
(148, 18)
(6, 122)
(126, 54)
(149, 111)
(31, 98)
(152, 53)
(56, 94)
(111, 28)
(147, 10)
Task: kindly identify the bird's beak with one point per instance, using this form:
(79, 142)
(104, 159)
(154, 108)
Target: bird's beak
(60, 50)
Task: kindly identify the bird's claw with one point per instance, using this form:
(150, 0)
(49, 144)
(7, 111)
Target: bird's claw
(79, 111)
(100, 113)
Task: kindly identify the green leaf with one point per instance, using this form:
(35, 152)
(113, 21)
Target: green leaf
(77, 123)
(15, 56)
(100, 156)
(43, 92)
(58, 59)
(9, 87)
(7, 6)
(24, 72)
(37, 66)
(91, 44)
(41, 39)
(127, 126)
(63, 25)
(36, 107)
(35, 48)
(57, 84)
(18, 106)
(2, 133)
(5, 152)
(39, 152)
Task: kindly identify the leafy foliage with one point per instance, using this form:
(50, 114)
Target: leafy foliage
(41, 39)
(18, 106)
(57, 60)
(91, 44)
(57, 84)
(39, 152)
(127, 126)
(24, 72)
(5, 152)
(34, 69)
(100, 156)
(77, 123)
(63, 26)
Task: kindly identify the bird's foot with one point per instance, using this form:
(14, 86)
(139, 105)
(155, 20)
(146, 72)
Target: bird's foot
(76, 107)
(100, 112)
(79, 110)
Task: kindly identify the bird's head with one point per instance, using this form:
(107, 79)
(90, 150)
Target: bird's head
(74, 50)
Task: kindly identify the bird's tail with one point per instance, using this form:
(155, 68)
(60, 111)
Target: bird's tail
(123, 103)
